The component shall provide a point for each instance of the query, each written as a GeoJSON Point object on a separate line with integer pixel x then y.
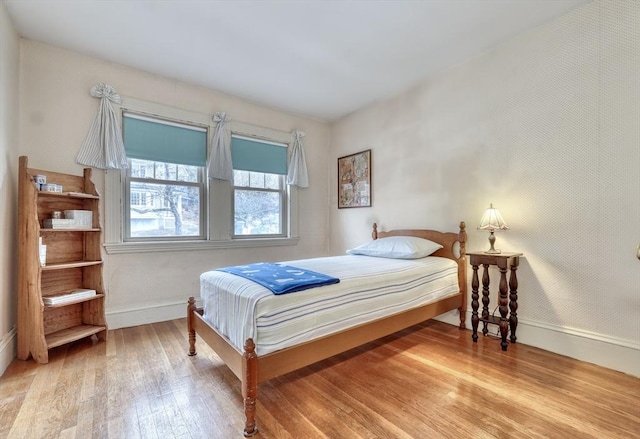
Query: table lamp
{"type": "Point", "coordinates": [492, 220]}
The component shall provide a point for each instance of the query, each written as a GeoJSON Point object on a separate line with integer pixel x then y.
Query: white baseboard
{"type": "Point", "coordinates": [126, 317]}
{"type": "Point", "coordinates": [8, 350]}
{"type": "Point", "coordinates": [612, 353]}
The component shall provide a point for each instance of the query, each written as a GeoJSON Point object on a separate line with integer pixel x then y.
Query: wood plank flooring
{"type": "Point", "coordinates": [429, 381]}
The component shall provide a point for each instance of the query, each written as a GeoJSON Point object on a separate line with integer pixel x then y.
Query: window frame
{"type": "Point", "coordinates": [217, 228]}
{"type": "Point", "coordinates": [200, 184]}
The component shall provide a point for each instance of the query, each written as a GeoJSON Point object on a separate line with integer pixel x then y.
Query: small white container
{"type": "Point", "coordinates": [43, 255]}
{"type": "Point", "coordinates": [58, 188]}
{"type": "Point", "coordinates": [48, 187]}
{"type": "Point", "coordinates": [40, 179]}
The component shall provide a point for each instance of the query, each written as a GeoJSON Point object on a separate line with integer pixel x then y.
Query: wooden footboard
{"type": "Point", "coordinates": [252, 370]}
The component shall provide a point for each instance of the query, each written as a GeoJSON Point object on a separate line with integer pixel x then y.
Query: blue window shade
{"type": "Point", "coordinates": [161, 141]}
{"type": "Point", "coordinates": [258, 156]}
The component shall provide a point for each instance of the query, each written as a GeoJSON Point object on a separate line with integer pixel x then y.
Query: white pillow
{"type": "Point", "coordinates": [397, 247]}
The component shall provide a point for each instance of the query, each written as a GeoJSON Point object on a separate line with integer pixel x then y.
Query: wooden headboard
{"type": "Point", "coordinates": [449, 249]}
{"type": "Point", "coordinates": [448, 240]}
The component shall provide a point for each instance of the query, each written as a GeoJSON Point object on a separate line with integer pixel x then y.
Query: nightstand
{"type": "Point", "coordinates": [504, 261]}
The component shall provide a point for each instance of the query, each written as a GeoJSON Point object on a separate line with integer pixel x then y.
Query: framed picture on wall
{"type": "Point", "coordinates": [354, 180]}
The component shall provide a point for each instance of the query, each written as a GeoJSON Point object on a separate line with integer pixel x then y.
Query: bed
{"type": "Point", "coordinates": [255, 352]}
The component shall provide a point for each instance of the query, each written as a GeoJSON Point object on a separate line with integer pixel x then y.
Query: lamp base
{"type": "Point", "coordinates": [492, 240]}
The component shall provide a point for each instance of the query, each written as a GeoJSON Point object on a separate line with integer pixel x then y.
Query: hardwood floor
{"type": "Point", "coordinates": [429, 381]}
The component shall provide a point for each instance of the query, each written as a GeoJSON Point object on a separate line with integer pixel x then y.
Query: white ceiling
{"type": "Point", "coordinates": [318, 58]}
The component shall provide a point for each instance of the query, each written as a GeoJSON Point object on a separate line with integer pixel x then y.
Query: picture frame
{"type": "Point", "coordinates": [354, 180]}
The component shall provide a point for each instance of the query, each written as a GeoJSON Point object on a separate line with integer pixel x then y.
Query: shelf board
{"type": "Point", "coordinates": [43, 229]}
{"type": "Point", "coordinates": [74, 264]}
{"type": "Point", "coordinates": [71, 302]}
{"type": "Point", "coordinates": [68, 335]}
{"type": "Point", "coordinates": [68, 195]}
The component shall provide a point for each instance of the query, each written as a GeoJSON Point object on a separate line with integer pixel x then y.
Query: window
{"type": "Point", "coordinates": [164, 190]}
{"type": "Point", "coordinates": [139, 198]}
{"type": "Point", "coordinates": [259, 187]}
{"type": "Point", "coordinates": [165, 202]}
{"type": "Point", "coordinates": [258, 203]}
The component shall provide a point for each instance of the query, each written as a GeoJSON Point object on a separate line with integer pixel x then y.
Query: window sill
{"type": "Point", "coordinates": [170, 246]}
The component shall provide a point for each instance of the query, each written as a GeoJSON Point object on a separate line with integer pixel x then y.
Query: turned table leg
{"type": "Point", "coordinates": [513, 299]}
{"type": "Point", "coordinates": [474, 303]}
{"type": "Point", "coordinates": [502, 303]}
{"type": "Point", "coordinates": [485, 299]}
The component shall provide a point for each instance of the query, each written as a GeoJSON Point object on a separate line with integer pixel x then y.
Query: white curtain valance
{"type": "Point", "coordinates": [219, 164]}
{"type": "Point", "coordinates": [297, 174]}
{"type": "Point", "coordinates": [103, 147]}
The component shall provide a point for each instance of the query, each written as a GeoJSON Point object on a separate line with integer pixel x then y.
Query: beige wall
{"type": "Point", "coordinates": [546, 127]}
{"type": "Point", "coordinates": [55, 115]}
{"type": "Point", "coordinates": [9, 106]}
{"type": "Point", "coordinates": [9, 80]}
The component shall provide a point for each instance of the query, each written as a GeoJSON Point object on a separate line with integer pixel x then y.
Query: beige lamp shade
{"type": "Point", "coordinates": [492, 220]}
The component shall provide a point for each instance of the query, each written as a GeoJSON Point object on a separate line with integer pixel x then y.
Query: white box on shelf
{"type": "Point", "coordinates": [84, 218]}
{"type": "Point", "coordinates": [52, 223]}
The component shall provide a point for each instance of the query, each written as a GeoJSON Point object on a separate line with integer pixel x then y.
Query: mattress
{"type": "Point", "coordinates": [369, 288]}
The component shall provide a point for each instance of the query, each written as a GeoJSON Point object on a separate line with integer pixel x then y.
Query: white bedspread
{"type": "Point", "coordinates": [369, 288]}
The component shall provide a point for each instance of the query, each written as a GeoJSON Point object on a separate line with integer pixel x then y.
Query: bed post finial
{"type": "Point", "coordinates": [250, 386]}
{"type": "Point", "coordinates": [462, 237]}
{"type": "Point", "coordinates": [462, 272]}
{"type": "Point", "coordinates": [374, 234]}
{"type": "Point", "coordinates": [191, 308]}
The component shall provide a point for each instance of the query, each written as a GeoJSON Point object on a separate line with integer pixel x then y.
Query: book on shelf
{"type": "Point", "coordinates": [68, 296]}
{"type": "Point", "coordinates": [65, 223]}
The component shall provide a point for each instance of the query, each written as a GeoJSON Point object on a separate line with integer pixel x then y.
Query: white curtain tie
{"type": "Point", "coordinates": [221, 116]}
{"type": "Point", "coordinates": [101, 90]}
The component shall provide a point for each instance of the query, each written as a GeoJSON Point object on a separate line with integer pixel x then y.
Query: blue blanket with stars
{"type": "Point", "coordinates": [280, 278]}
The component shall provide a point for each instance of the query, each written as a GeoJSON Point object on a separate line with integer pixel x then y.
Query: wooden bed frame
{"type": "Point", "coordinates": [252, 370]}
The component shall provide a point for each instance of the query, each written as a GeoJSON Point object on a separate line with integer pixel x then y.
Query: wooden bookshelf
{"type": "Point", "coordinates": [73, 260]}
